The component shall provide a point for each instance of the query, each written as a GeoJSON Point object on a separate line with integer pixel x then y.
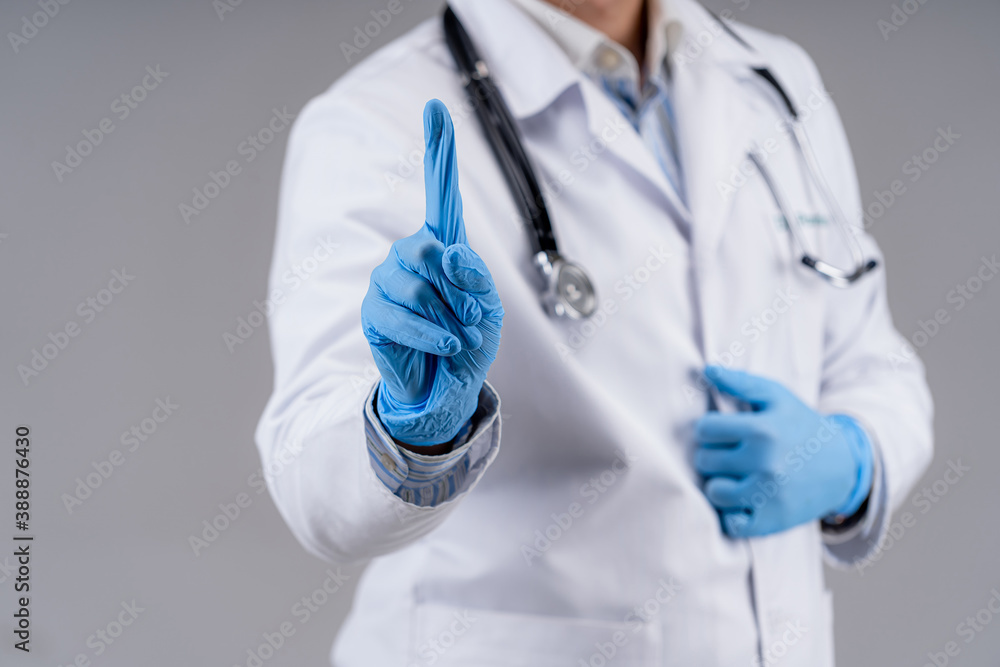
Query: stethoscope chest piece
{"type": "Point", "coordinates": [568, 291]}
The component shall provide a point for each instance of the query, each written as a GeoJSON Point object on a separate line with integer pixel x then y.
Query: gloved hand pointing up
{"type": "Point", "coordinates": [432, 315]}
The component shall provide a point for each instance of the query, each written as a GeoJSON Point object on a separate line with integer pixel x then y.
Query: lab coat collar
{"type": "Point", "coordinates": [514, 45]}
{"type": "Point", "coordinates": [699, 36]}
{"type": "Point", "coordinates": [718, 118]}
{"type": "Point", "coordinates": [530, 69]}
{"type": "Point", "coordinates": [578, 40]}
{"type": "Point", "coordinates": [714, 131]}
{"type": "Point", "coordinates": [593, 52]}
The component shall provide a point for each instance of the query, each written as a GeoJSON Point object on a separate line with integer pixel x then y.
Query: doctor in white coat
{"type": "Point", "coordinates": [613, 521]}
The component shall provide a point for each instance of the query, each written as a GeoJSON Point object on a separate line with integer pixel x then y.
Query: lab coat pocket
{"type": "Point", "coordinates": [451, 636]}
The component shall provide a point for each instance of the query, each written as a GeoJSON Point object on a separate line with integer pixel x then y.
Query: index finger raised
{"type": "Point", "coordinates": [444, 202]}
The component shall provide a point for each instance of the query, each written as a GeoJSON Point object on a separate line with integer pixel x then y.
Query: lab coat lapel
{"type": "Point", "coordinates": [612, 130]}
{"type": "Point", "coordinates": [716, 119]}
{"type": "Point", "coordinates": [717, 122]}
{"type": "Point", "coordinates": [532, 71]}
{"type": "Point", "coordinates": [715, 130]}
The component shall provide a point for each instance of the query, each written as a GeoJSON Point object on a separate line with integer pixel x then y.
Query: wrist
{"type": "Point", "coordinates": [860, 447]}
{"type": "Point", "coordinates": [428, 427]}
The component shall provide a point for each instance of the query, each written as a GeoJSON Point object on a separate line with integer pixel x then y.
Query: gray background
{"type": "Point", "coordinates": [162, 336]}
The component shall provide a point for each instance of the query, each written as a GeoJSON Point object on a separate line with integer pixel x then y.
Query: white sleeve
{"type": "Point", "coordinates": [337, 218]}
{"type": "Point", "coordinates": [870, 372]}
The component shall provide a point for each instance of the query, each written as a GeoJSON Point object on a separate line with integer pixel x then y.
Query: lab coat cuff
{"type": "Point", "coordinates": [420, 479]}
{"type": "Point", "coordinates": [857, 545]}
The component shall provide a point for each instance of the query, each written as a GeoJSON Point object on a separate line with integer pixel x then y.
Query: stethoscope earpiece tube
{"type": "Point", "coordinates": [833, 275]}
{"type": "Point", "coordinates": [765, 74]}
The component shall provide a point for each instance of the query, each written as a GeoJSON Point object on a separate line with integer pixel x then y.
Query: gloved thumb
{"type": "Point", "coordinates": [754, 389]}
{"type": "Point", "coordinates": [467, 270]}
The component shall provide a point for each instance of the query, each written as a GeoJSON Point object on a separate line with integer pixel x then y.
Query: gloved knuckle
{"type": "Point", "coordinates": [368, 304]}
{"type": "Point", "coordinates": [771, 463]}
{"type": "Point", "coordinates": [767, 430]}
{"type": "Point", "coordinates": [379, 272]}
{"type": "Point", "coordinates": [401, 248]}
{"type": "Point", "coordinates": [419, 291]}
{"type": "Point", "coordinates": [429, 251]}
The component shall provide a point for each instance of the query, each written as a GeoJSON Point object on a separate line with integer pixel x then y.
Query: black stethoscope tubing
{"type": "Point", "coordinates": [505, 141]}
{"type": "Point", "coordinates": [502, 133]}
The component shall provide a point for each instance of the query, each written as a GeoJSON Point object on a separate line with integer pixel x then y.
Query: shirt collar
{"type": "Point", "coordinates": [594, 53]}
{"type": "Point", "coordinates": [534, 69]}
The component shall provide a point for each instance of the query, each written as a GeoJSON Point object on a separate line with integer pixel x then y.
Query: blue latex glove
{"type": "Point", "coordinates": [432, 314]}
{"type": "Point", "coordinates": [780, 464]}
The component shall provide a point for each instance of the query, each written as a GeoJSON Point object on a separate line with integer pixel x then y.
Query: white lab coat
{"type": "Point", "coordinates": [582, 531]}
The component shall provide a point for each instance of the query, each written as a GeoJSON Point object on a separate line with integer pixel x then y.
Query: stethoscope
{"type": "Point", "coordinates": [568, 290]}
